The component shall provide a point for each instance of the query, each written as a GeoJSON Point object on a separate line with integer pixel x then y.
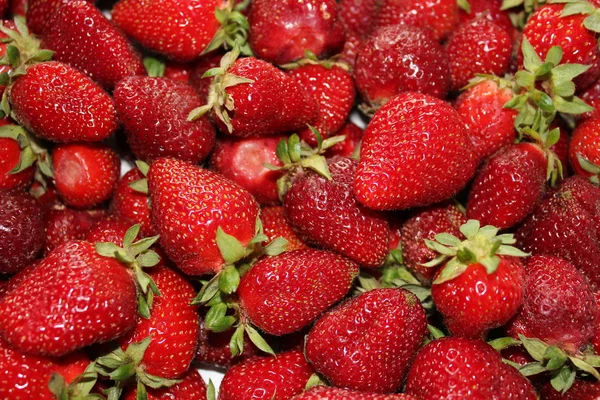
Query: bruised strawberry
{"type": "Point", "coordinates": [191, 387]}
{"type": "Point", "coordinates": [66, 224]}
{"type": "Point", "coordinates": [333, 393]}
{"type": "Point", "coordinates": [276, 225]}
{"type": "Point", "coordinates": [130, 204]}
{"type": "Point", "coordinates": [346, 148]}
{"type": "Point", "coordinates": [584, 149]}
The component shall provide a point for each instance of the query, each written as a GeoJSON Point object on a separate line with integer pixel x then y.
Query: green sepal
{"type": "Point", "coordinates": [276, 246]}
{"type": "Point", "coordinates": [556, 358]}
{"type": "Point", "coordinates": [211, 393]}
{"type": "Point", "coordinates": [154, 67]}
{"type": "Point", "coordinates": [503, 343]}
{"type": "Point", "coordinates": [532, 368]}
{"type": "Point", "coordinates": [114, 393]}
{"type": "Point", "coordinates": [435, 332]}
{"type": "Point", "coordinates": [155, 382]}
{"type": "Point", "coordinates": [229, 279]}
{"type": "Point", "coordinates": [258, 340]}
{"type": "Point", "coordinates": [563, 380]}
{"type": "Point", "coordinates": [587, 165]}
{"type": "Point", "coordinates": [535, 347]}
{"type": "Point", "coordinates": [230, 247]}
{"type": "Point", "coordinates": [141, 392]}
{"type": "Point", "coordinates": [314, 381]}
{"type": "Point", "coordinates": [464, 5]}
{"type": "Point", "coordinates": [236, 343]}
{"type": "Point", "coordinates": [216, 319]}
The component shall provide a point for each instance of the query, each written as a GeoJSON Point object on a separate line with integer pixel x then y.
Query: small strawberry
{"type": "Point", "coordinates": [368, 342]}
{"type": "Point", "coordinates": [276, 378]}
{"type": "Point", "coordinates": [66, 224]}
{"type": "Point", "coordinates": [584, 151]}
{"type": "Point", "coordinates": [109, 229]}
{"type": "Point", "coordinates": [332, 393]}
{"type": "Point", "coordinates": [191, 387]}
{"type": "Point", "coordinates": [346, 148]}
{"type": "Point", "coordinates": [214, 348]}
{"type": "Point", "coordinates": [390, 175]}
{"type": "Point", "coordinates": [276, 225]}
{"type": "Point", "coordinates": [131, 204]}
{"type": "Point", "coordinates": [40, 13]}
{"type": "Point", "coordinates": [490, 10]}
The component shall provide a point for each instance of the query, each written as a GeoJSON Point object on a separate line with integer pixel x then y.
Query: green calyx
{"type": "Point", "coordinates": [137, 255]}
{"type": "Point", "coordinates": [31, 150]}
{"type": "Point", "coordinates": [590, 167]}
{"type": "Point", "coordinates": [141, 185]}
{"type": "Point", "coordinates": [79, 389]}
{"type": "Point", "coordinates": [575, 7]}
{"type": "Point", "coordinates": [155, 68]}
{"type": "Point", "coordinates": [482, 246]}
{"type": "Point", "coordinates": [311, 58]}
{"type": "Point", "coordinates": [234, 29]}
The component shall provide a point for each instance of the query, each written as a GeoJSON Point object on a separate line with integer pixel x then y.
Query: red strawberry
{"type": "Point", "coordinates": [276, 378]}
{"type": "Point", "coordinates": [192, 387]}
{"type": "Point", "coordinates": [276, 225]}
{"type": "Point", "coordinates": [285, 293]}
{"type": "Point", "coordinates": [110, 229]}
{"type": "Point", "coordinates": [324, 212]}
{"type": "Point", "coordinates": [595, 340]}
{"type": "Point", "coordinates": [489, 125]}
{"type": "Point", "coordinates": [592, 97]}
{"type": "Point", "coordinates": [368, 342]}
{"type": "Point", "coordinates": [585, 145]}
{"type": "Point", "coordinates": [350, 50]}
{"type": "Point", "coordinates": [280, 32]}
{"type": "Point", "coordinates": [358, 16]}
{"type": "Point", "coordinates": [132, 205]}
{"type": "Point", "coordinates": [46, 195]}
{"type": "Point", "coordinates": [492, 11]}
{"type": "Point", "coordinates": [85, 174]}
{"type": "Point", "coordinates": [332, 393]}
{"type": "Point", "coordinates": [83, 38]}
{"type": "Point", "coordinates": [477, 47]}
{"type": "Point", "coordinates": [243, 161]}
{"type": "Point", "coordinates": [391, 176]}
{"type": "Point", "coordinates": [347, 147]}
{"type": "Point", "coordinates": [561, 148]}
{"type": "Point", "coordinates": [399, 59]}
{"type": "Point", "coordinates": [18, 7]}
{"type": "Point", "coordinates": [202, 85]}
{"type": "Point", "coordinates": [581, 390]}
{"type": "Point", "coordinates": [59, 103]}
{"type": "Point", "coordinates": [180, 30]}
{"type": "Point", "coordinates": [514, 385]}
{"type": "Point", "coordinates": [178, 72]}
{"type": "Point", "coordinates": [21, 230]}
{"type": "Point", "coordinates": [558, 307]}
{"type": "Point", "coordinates": [189, 204]}
{"type": "Point", "coordinates": [213, 348]}
{"type": "Point", "coordinates": [73, 289]}
{"type": "Point", "coordinates": [65, 224]}
{"type": "Point", "coordinates": [10, 154]}
{"type": "Point", "coordinates": [40, 13]}
{"type": "Point", "coordinates": [5, 68]}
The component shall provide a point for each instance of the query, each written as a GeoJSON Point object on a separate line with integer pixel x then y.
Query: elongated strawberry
{"type": "Point", "coordinates": [391, 176]}
{"type": "Point", "coordinates": [131, 204]}
{"type": "Point", "coordinates": [333, 393]}
{"type": "Point", "coordinates": [367, 342]}
{"type": "Point", "coordinates": [276, 225]}
{"type": "Point", "coordinates": [191, 387]}
{"type": "Point", "coordinates": [584, 152]}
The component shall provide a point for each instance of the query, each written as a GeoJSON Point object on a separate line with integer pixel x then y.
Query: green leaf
{"type": "Point", "coordinates": [464, 5]}
{"type": "Point", "coordinates": [135, 351]}
{"type": "Point", "coordinates": [506, 4]}
{"type": "Point", "coordinates": [258, 340]}
{"type": "Point", "coordinates": [143, 244]}
{"type": "Point", "coordinates": [318, 164]}
{"type": "Point", "coordinates": [107, 249]}
{"type": "Point", "coordinates": [578, 7]}
{"type": "Point", "coordinates": [554, 55]}
{"type": "Point", "coordinates": [26, 159]}
{"type": "Point", "coordinates": [58, 387]}
{"type": "Point", "coordinates": [283, 152]}
{"type": "Point", "coordinates": [229, 279]}
{"type": "Point", "coordinates": [294, 148]}
{"type": "Point", "coordinates": [525, 79]}
{"type": "Point", "coordinates": [592, 22]}
{"type": "Point", "coordinates": [574, 105]}
{"type": "Point", "coordinates": [556, 358]}
{"type": "Point", "coordinates": [140, 185]}
{"type": "Point", "coordinates": [313, 381]}
{"type": "Point", "coordinates": [130, 235]}
{"type": "Point", "coordinates": [503, 343]}
{"type": "Point", "coordinates": [142, 166]}
{"type": "Point", "coordinates": [141, 394]}
{"type": "Point", "coordinates": [593, 360]}
{"type": "Point", "coordinates": [510, 251]}
{"type": "Point", "coordinates": [210, 391]}
{"type": "Point", "coordinates": [123, 372]}
{"type": "Point", "coordinates": [208, 291]}
{"type": "Point", "coordinates": [563, 380]}
{"type": "Point", "coordinates": [155, 382]}
{"type": "Point", "coordinates": [276, 246]}
{"type": "Point", "coordinates": [531, 60]}
{"type": "Point", "coordinates": [114, 393]}
{"type": "Point", "coordinates": [318, 137]}
{"type": "Point", "coordinates": [217, 320]}
{"type": "Point", "coordinates": [535, 347]}
{"type": "Point", "coordinates": [584, 366]}
{"type": "Point", "coordinates": [435, 332]}
{"type": "Point", "coordinates": [154, 67]}
{"type": "Point", "coordinates": [148, 258]}
{"type": "Point", "coordinates": [532, 368]}
{"type": "Point", "coordinates": [143, 307]}
{"type": "Point", "coordinates": [438, 248]}
{"type": "Point", "coordinates": [231, 249]}
{"type": "Point", "coordinates": [236, 343]}
{"type": "Point", "coordinates": [567, 72]}
{"type": "Point", "coordinates": [490, 263]}
{"type": "Point", "coordinates": [470, 228]}
{"type": "Point", "coordinates": [14, 55]}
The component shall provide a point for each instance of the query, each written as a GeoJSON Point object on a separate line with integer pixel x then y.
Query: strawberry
{"type": "Point", "coordinates": [479, 46]}
{"type": "Point", "coordinates": [280, 32]}
{"type": "Point", "coordinates": [332, 393]}
{"type": "Point", "coordinates": [276, 225]}
{"type": "Point", "coordinates": [189, 204]}
{"type": "Point", "coordinates": [22, 230]}
{"type": "Point", "coordinates": [285, 293]}
{"type": "Point", "coordinates": [581, 390]}
{"type": "Point", "coordinates": [73, 289]}
{"type": "Point", "coordinates": [131, 204]}
{"type": "Point", "coordinates": [5, 68]}
{"type": "Point", "coordinates": [324, 212]}
{"type": "Point", "coordinates": [102, 51]}
{"type": "Point", "coordinates": [109, 229]}
{"type": "Point", "coordinates": [46, 195]}
{"type": "Point", "coordinates": [595, 340]}
{"type": "Point", "coordinates": [390, 176]}
{"type": "Point", "coordinates": [214, 349]}
{"type": "Point", "coordinates": [276, 378]}
{"type": "Point", "coordinates": [592, 97]}
{"type": "Point", "coordinates": [584, 152]}
{"type": "Point", "coordinates": [154, 114]}
{"type": "Point", "coordinates": [490, 10]}
{"type": "Point", "coordinates": [358, 16]}
{"type": "Point", "coordinates": [10, 155]}
{"type": "Point", "coordinates": [66, 224]}
{"type": "Point", "coordinates": [177, 71]}
{"type": "Point", "coordinates": [397, 59]}
{"type": "Point", "coordinates": [558, 307]}
{"type": "Point", "coordinates": [346, 148]}
{"type": "Point", "coordinates": [206, 62]}
{"type": "Point", "coordinates": [56, 102]}
{"type": "Point", "coordinates": [514, 385]}
{"type": "Point", "coordinates": [40, 13]}
{"type": "Point", "coordinates": [18, 7]}
{"type": "Point", "coordinates": [243, 161]}
{"type": "Point", "coordinates": [192, 387]}
{"type": "Point", "coordinates": [85, 174]}
{"type": "Point", "coordinates": [368, 342]}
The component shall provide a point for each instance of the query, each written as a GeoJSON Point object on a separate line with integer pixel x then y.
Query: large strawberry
{"type": "Point", "coordinates": [367, 342]}
{"type": "Point", "coordinates": [415, 152]}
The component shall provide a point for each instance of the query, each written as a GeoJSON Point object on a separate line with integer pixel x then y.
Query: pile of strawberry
{"type": "Point", "coordinates": [449, 251]}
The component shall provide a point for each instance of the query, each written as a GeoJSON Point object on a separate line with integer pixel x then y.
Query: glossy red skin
{"type": "Point", "coordinates": [398, 59]}
{"type": "Point", "coordinates": [213, 348]}
{"type": "Point", "coordinates": [514, 385]}
{"type": "Point", "coordinates": [579, 44]}
{"type": "Point", "coordinates": [333, 90]}
{"type": "Point", "coordinates": [441, 16]}
{"type": "Point", "coordinates": [5, 68]}
{"type": "Point", "coordinates": [595, 340]}
{"type": "Point", "coordinates": [285, 293]}
{"type": "Point", "coordinates": [281, 32]}
{"type": "Point", "coordinates": [567, 225]}
{"type": "Point", "coordinates": [66, 224]}
{"type": "Point", "coordinates": [173, 325]}
{"type": "Point", "coordinates": [592, 97]}
{"type": "Point", "coordinates": [73, 289]}
{"type": "Point", "coordinates": [154, 113]}
{"type": "Point", "coordinates": [425, 224]}
{"type": "Point", "coordinates": [242, 161]}
{"type": "Point", "coordinates": [189, 204]}
{"type": "Point", "coordinates": [21, 230]}
{"type": "Point", "coordinates": [132, 205]}
{"type": "Point", "coordinates": [415, 152]}
{"type": "Point", "coordinates": [586, 143]}
{"type": "Point", "coordinates": [269, 378]}
{"type": "Point", "coordinates": [110, 229]}
{"type": "Point", "coordinates": [489, 125]}
{"type": "Point", "coordinates": [358, 16]}
{"type": "Point", "coordinates": [58, 103]}
{"type": "Point", "coordinates": [325, 213]}
{"type": "Point", "coordinates": [178, 71]}
{"type": "Point", "coordinates": [190, 25]}
{"type": "Point", "coordinates": [509, 186]}
{"type": "Point", "coordinates": [274, 103]}
{"type": "Point", "coordinates": [581, 390]}
{"type": "Point", "coordinates": [47, 196]}
{"type": "Point", "coordinates": [346, 148]}
{"type": "Point", "coordinates": [333, 393]}
{"type": "Point", "coordinates": [85, 174]}
{"type": "Point", "coordinates": [83, 38]}
{"type": "Point", "coordinates": [276, 225]}
{"type": "Point", "coordinates": [206, 62]}
{"type": "Point", "coordinates": [192, 387]}
{"type": "Point", "coordinates": [475, 301]}
{"type": "Point", "coordinates": [477, 47]}
{"type": "Point", "coordinates": [368, 342]}
{"type": "Point", "coordinates": [350, 51]}
{"type": "Point", "coordinates": [10, 152]}
{"type": "Point", "coordinates": [40, 12]}
{"type": "Point", "coordinates": [490, 10]}
{"type": "Point", "coordinates": [558, 307]}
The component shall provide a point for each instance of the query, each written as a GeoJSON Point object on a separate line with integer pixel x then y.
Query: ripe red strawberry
{"type": "Point", "coordinates": [18, 7]}
{"type": "Point", "coordinates": [21, 230]}
{"type": "Point", "coordinates": [243, 161]}
{"type": "Point", "coordinates": [581, 390]}
{"type": "Point", "coordinates": [85, 174]}
{"type": "Point", "coordinates": [558, 306]}
{"type": "Point", "coordinates": [132, 205]}
{"type": "Point", "coordinates": [477, 47]}
{"type": "Point", "coordinates": [440, 16]}
{"type": "Point", "coordinates": [561, 148]}
{"type": "Point", "coordinates": [109, 229]}
{"type": "Point", "coordinates": [206, 62]}
{"type": "Point", "coordinates": [5, 68]}
{"type": "Point", "coordinates": [347, 147]}
{"type": "Point", "coordinates": [73, 289]}
{"type": "Point", "coordinates": [276, 225]}
{"type": "Point", "coordinates": [400, 58]}
{"type": "Point", "coordinates": [480, 285]}
{"type": "Point", "coordinates": [40, 13]}
{"type": "Point", "coordinates": [192, 387]}
{"type": "Point", "coordinates": [585, 144]}
{"type": "Point", "coordinates": [189, 25]}
{"type": "Point", "coordinates": [59, 103]}
{"type": "Point", "coordinates": [489, 125]}
{"type": "Point", "coordinates": [358, 16]}
{"type": "Point", "coordinates": [333, 393]}
{"type": "Point", "coordinates": [46, 195]}
{"type": "Point", "coordinates": [391, 176]}
{"type": "Point", "coordinates": [592, 97]}
{"type": "Point", "coordinates": [280, 32]}
{"type": "Point", "coordinates": [84, 39]}
{"type": "Point", "coordinates": [492, 11]}
{"type": "Point", "coordinates": [325, 213]}
{"type": "Point", "coordinates": [285, 293]}
{"type": "Point", "coordinates": [425, 224]}
{"type": "Point", "coordinates": [350, 50]}
{"type": "Point", "coordinates": [276, 378]}
{"type": "Point", "coordinates": [595, 340]}
{"type": "Point", "coordinates": [189, 204]}
{"type": "Point", "coordinates": [368, 342]}
{"type": "Point", "coordinates": [10, 153]}
{"type": "Point", "coordinates": [513, 385]}
{"type": "Point", "coordinates": [509, 186]}
{"type": "Point", "coordinates": [178, 71]}
{"type": "Point", "coordinates": [213, 348]}
{"type": "Point", "coordinates": [66, 224]}
{"type": "Point", "coordinates": [333, 90]}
